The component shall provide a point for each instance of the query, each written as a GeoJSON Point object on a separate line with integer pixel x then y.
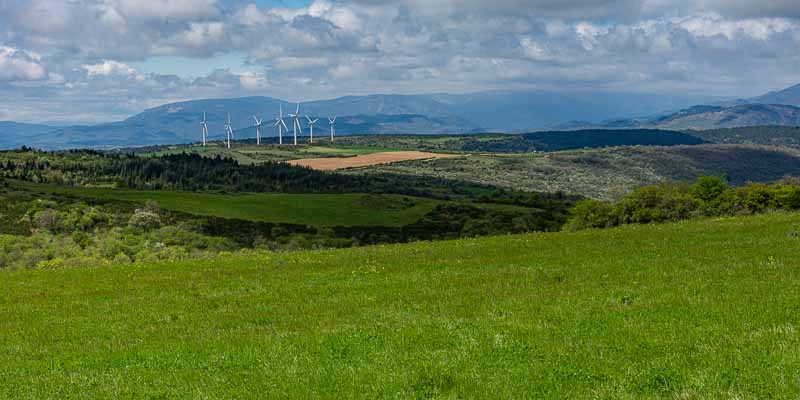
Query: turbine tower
{"type": "Point", "coordinates": [204, 125]}
{"type": "Point", "coordinates": [258, 129]}
{"type": "Point", "coordinates": [311, 127]}
{"type": "Point", "coordinates": [296, 123]}
{"type": "Point", "coordinates": [331, 122]}
{"type": "Point", "coordinates": [281, 125]}
{"type": "Point", "coordinates": [229, 130]}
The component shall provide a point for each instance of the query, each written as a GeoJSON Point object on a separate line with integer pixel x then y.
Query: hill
{"type": "Point", "coordinates": [705, 117]}
{"type": "Point", "coordinates": [779, 136]}
{"type": "Point", "coordinates": [607, 173]}
{"type": "Point", "coordinates": [736, 116]}
{"type": "Point", "coordinates": [15, 134]}
{"type": "Point", "coordinates": [696, 309]}
{"type": "Point", "coordinates": [790, 96]}
{"type": "Point", "coordinates": [486, 142]}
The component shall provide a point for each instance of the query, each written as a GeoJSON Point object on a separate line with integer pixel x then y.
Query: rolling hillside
{"type": "Point", "coordinates": [696, 309]}
{"type": "Point", "coordinates": [608, 173]}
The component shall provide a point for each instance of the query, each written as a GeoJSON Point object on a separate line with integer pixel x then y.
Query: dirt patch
{"type": "Point", "coordinates": [334, 163]}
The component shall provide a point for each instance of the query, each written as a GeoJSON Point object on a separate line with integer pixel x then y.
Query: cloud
{"type": "Point", "coordinates": [112, 68]}
{"type": "Point", "coordinates": [83, 52]}
{"type": "Point", "coordinates": [20, 65]}
{"type": "Point", "coordinates": [750, 8]}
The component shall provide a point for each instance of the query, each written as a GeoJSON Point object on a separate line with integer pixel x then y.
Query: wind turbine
{"type": "Point", "coordinates": [229, 130]}
{"type": "Point", "coordinates": [296, 123]}
{"type": "Point", "coordinates": [204, 125]}
{"type": "Point", "coordinates": [258, 129]}
{"type": "Point", "coordinates": [331, 121]}
{"type": "Point", "coordinates": [311, 126]}
{"type": "Point", "coordinates": [281, 125]}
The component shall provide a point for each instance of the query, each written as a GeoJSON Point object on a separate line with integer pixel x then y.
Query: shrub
{"type": "Point", "coordinates": [591, 213]}
{"type": "Point", "coordinates": [786, 197]}
{"type": "Point", "coordinates": [754, 197]}
{"type": "Point", "coordinates": [47, 219]}
{"type": "Point", "coordinates": [657, 203]}
{"type": "Point", "coordinates": [709, 196]}
{"type": "Point", "coordinates": [708, 188]}
{"type": "Point", "coordinates": [145, 220]}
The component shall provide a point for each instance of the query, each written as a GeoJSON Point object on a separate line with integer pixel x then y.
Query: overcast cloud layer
{"type": "Point", "coordinates": [81, 60]}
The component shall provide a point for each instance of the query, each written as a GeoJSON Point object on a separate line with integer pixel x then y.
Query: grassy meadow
{"type": "Point", "coordinates": [701, 309]}
{"type": "Point", "coordinates": [354, 209]}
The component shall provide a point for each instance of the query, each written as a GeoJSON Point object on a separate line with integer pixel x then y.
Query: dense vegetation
{"type": "Point", "coordinates": [53, 213]}
{"type": "Point", "coordinates": [782, 136]}
{"type": "Point", "coordinates": [608, 173]}
{"type": "Point", "coordinates": [702, 309]}
{"type": "Point", "coordinates": [193, 172]}
{"type": "Point", "coordinates": [708, 197]}
{"type": "Point", "coordinates": [527, 142]}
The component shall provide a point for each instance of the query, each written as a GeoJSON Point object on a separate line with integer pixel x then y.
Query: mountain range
{"type": "Point", "coordinates": [492, 111]}
{"type": "Point", "coordinates": [779, 108]}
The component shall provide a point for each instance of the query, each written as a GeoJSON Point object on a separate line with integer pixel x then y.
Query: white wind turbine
{"type": "Point", "coordinates": [311, 127]}
{"type": "Point", "coordinates": [331, 121]}
{"type": "Point", "coordinates": [296, 123]}
{"type": "Point", "coordinates": [229, 130]}
{"type": "Point", "coordinates": [204, 125]}
{"type": "Point", "coordinates": [258, 129]}
{"type": "Point", "coordinates": [281, 125]}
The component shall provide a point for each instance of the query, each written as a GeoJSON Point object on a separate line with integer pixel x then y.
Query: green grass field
{"type": "Point", "coordinates": [304, 209]}
{"type": "Point", "coordinates": [703, 309]}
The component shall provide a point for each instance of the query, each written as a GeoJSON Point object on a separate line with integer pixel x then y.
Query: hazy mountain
{"type": "Point", "coordinates": [729, 117]}
{"type": "Point", "coordinates": [503, 111]}
{"type": "Point", "coordinates": [509, 111]}
{"type": "Point", "coordinates": [16, 134]}
{"type": "Point", "coordinates": [713, 117]}
{"type": "Point", "coordinates": [498, 111]}
{"type": "Point", "coordinates": [789, 96]}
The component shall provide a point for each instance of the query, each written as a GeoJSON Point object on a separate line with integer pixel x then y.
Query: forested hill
{"type": "Point", "coordinates": [192, 172]}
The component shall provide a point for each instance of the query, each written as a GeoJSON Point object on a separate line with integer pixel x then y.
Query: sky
{"type": "Point", "coordinates": [88, 61]}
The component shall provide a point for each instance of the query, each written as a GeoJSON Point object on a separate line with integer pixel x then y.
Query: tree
{"type": "Point", "coordinates": [708, 188]}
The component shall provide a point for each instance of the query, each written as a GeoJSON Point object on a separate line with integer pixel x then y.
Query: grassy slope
{"type": "Point", "coordinates": [304, 209]}
{"type": "Point", "coordinates": [609, 173]}
{"type": "Point", "coordinates": [706, 309]}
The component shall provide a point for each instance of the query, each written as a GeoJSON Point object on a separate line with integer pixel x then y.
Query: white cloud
{"type": "Point", "coordinates": [111, 68]}
{"type": "Point", "coordinates": [253, 80]}
{"type": "Point", "coordinates": [185, 10]}
{"type": "Point", "coordinates": [337, 47]}
{"type": "Point", "coordinates": [20, 65]}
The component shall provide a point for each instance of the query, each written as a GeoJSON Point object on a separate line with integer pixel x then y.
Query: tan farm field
{"type": "Point", "coordinates": [365, 160]}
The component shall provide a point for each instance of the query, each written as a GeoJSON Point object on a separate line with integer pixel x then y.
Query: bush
{"type": "Point", "coordinates": [145, 221]}
{"type": "Point", "coordinates": [708, 188]}
{"type": "Point", "coordinates": [591, 213]}
{"type": "Point", "coordinates": [47, 219]}
{"type": "Point", "coordinates": [709, 196]}
{"type": "Point", "coordinates": [786, 197]}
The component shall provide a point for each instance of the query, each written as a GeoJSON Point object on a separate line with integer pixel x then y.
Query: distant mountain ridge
{"type": "Point", "coordinates": [491, 111]}
{"type": "Point", "coordinates": [706, 117]}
